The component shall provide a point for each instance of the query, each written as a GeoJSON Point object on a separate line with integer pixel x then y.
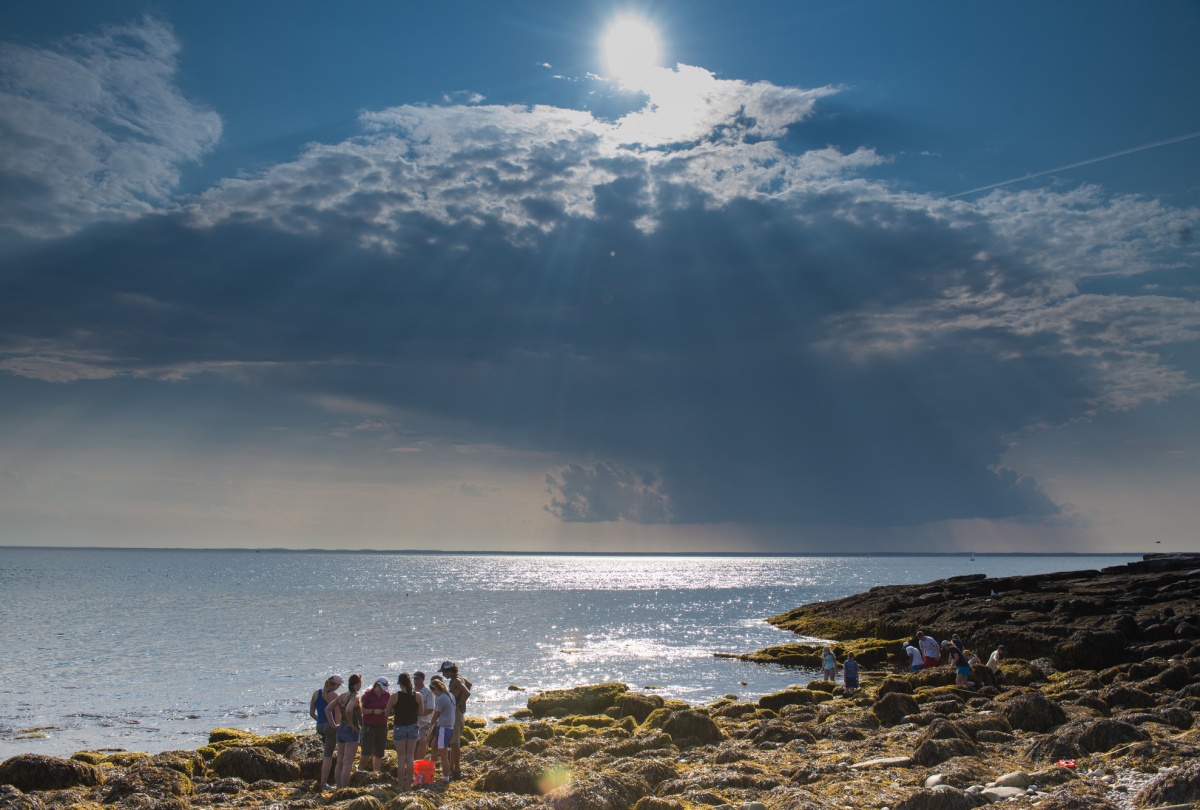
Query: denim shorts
{"type": "Point", "coordinates": [405, 733]}
{"type": "Point", "coordinates": [345, 734]}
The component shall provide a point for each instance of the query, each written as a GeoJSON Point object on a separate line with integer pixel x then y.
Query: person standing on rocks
{"type": "Point", "coordinates": [424, 713]}
{"type": "Point", "coordinates": [958, 660]}
{"type": "Point", "coordinates": [850, 674]}
{"type": "Point", "coordinates": [443, 724]}
{"type": "Point", "coordinates": [993, 662]}
{"type": "Point", "coordinates": [346, 714]}
{"type": "Point", "coordinates": [460, 689]}
{"type": "Point", "coordinates": [375, 722]}
{"type": "Point", "coordinates": [328, 733]}
{"type": "Point", "coordinates": [403, 706]}
{"type": "Point", "coordinates": [828, 665]}
{"type": "Point", "coordinates": [929, 649]}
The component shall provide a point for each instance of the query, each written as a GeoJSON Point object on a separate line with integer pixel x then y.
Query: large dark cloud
{"type": "Point", "coordinates": [714, 323]}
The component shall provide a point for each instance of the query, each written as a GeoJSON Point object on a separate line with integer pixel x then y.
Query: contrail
{"type": "Point", "coordinates": [1077, 164]}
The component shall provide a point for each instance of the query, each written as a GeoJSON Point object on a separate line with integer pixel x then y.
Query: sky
{"type": "Point", "coordinates": [660, 276]}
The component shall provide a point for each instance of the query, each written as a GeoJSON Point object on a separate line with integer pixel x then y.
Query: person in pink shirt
{"type": "Point", "coordinates": [373, 740]}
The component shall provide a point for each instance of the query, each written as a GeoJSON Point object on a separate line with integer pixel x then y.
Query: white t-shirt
{"type": "Point", "coordinates": [444, 704]}
{"type": "Point", "coordinates": [930, 647]}
{"type": "Point", "coordinates": [427, 702]}
{"type": "Point", "coordinates": [915, 654]}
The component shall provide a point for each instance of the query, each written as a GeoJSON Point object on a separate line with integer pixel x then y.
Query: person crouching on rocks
{"type": "Point", "coordinates": [346, 714]}
{"type": "Point", "coordinates": [993, 662]}
{"type": "Point", "coordinates": [373, 739]}
{"type": "Point", "coordinates": [828, 665]}
{"type": "Point", "coordinates": [850, 674]}
{"type": "Point", "coordinates": [443, 724]}
{"type": "Point", "coordinates": [325, 730]}
{"type": "Point", "coordinates": [916, 657]}
{"type": "Point", "coordinates": [404, 706]}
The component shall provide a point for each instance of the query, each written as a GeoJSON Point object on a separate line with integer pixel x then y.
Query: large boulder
{"type": "Point", "coordinates": [944, 739]}
{"type": "Point", "coordinates": [149, 780]}
{"type": "Point", "coordinates": [1086, 650]}
{"type": "Point", "coordinates": [792, 696]}
{"type": "Point", "coordinates": [509, 735]}
{"type": "Point", "coordinates": [1030, 711]}
{"type": "Point", "coordinates": [514, 772]}
{"type": "Point", "coordinates": [638, 706]}
{"type": "Point", "coordinates": [592, 699]}
{"type": "Point", "coordinates": [692, 724]}
{"type": "Point", "coordinates": [1179, 786]}
{"type": "Point", "coordinates": [254, 764]}
{"type": "Point", "coordinates": [894, 707]}
{"type": "Point", "coordinates": [28, 772]}
{"type": "Point", "coordinates": [941, 799]}
{"type": "Point", "coordinates": [599, 791]}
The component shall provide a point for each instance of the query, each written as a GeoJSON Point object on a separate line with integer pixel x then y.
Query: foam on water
{"type": "Point", "coordinates": [150, 650]}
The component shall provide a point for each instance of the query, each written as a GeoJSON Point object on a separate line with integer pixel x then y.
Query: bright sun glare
{"type": "Point", "coordinates": [630, 50]}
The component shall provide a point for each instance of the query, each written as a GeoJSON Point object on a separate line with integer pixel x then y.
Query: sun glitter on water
{"type": "Point", "coordinates": [630, 47]}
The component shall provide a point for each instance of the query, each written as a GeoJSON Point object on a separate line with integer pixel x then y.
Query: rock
{"type": "Point", "coordinates": [578, 700]}
{"type": "Point", "coordinates": [1030, 711]}
{"type": "Point", "coordinates": [655, 803]}
{"type": "Point", "coordinates": [1088, 650]}
{"type": "Point", "coordinates": [29, 772]}
{"type": "Point", "coordinates": [509, 735]}
{"type": "Point", "coordinates": [638, 706]}
{"type": "Point", "coordinates": [253, 764]}
{"type": "Point", "coordinates": [225, 734]}
{"type": "Point", "coordinates": [942, 798]}
{"type": "Point", "coordinates": [1175, 787]}
{"type": "Point", "coordinates": [883, 762]}
{"type": "Point", "coordinates": [605, 791]}
{"type": "Point", "coordinates": [515, 772]}
{"type": "Point", "coordinates": [1128, 697]}
{"type": "Point", "coordinates": [1104, 735]}
{"type": "Point", "coordinates": [229, 785]}
{"type": "Point", "coordinates": [147, 779]}
{"type": "Point", "coordinates": [788, 697]}
{"type": "Point", "coordinates": [1054, 747]}
{"type": "Point", "coordinates": [188, 763]}
{"type": "Point", "coordinates": [999, 794]}
{"type": "Point", "coordinates": [1015, 779]}
{"type": "Point", "coordinates": [893, 707]}
{"type": "Point", "coordinates": [935, 752]}
{"type": "Point", "coordinates": [693, 724]}
{"type": "Point", "coordinates": [893, 684]}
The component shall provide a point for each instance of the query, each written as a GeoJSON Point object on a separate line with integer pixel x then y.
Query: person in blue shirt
{"type": "Point", "coordinates": [850, 674]}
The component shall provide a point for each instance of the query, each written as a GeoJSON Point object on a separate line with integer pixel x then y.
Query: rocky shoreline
{"type": "Point", "coordinates": [1097, 708]}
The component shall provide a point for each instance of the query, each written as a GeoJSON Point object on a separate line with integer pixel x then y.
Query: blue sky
{"type": "Point", "coordinates": [854, 276]}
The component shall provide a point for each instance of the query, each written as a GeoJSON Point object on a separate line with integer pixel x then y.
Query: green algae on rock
{"type": "Point", "coordinates": [28, 772]}
{"type": "Point", "coordinates": [578, 700]}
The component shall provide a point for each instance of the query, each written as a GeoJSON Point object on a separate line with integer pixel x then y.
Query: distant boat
{"type": "Point", "coordinates": [972, 556]}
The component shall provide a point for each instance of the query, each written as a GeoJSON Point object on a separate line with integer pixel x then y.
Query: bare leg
{"type": "Point", "coordinates": [404, 763]}
{"type": "Point", "coordinates": [346, 754]}
{"type": "Point", "coordinates": [326, 766]}
{"type": "Point", "coordinates": [422, 743]}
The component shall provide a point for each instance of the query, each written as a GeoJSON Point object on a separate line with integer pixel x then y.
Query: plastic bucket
{"type": "Point", "coordinates": [423, 772]}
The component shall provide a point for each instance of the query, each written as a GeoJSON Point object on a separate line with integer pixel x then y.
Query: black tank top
{"type": "Point", "coordinates": [405, 713]}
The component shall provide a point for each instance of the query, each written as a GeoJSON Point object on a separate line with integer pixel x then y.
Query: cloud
{"type": "Point", "coordinates": [743, 329]}
{"type": "Point", "coordinates": [94, 129]}
{"type": "Point", "coordinates": [604, 491]}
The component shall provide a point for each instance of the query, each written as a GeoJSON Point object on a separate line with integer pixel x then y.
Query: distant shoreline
{"type": "Point", "coordinates": [723, 554]}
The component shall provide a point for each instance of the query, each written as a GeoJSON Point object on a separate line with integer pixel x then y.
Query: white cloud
{"type": "Point", "coordinates": [94, 129]}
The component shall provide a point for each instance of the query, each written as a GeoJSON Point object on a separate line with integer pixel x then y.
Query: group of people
{"type": "Point", "coordinates": [829, 667]}
{"type": "Point", "coordinates": [928, 653]}
{"type": "Point", "coordinates": [424, 717]}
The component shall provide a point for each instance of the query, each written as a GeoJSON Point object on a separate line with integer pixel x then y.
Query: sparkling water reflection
{"type": "Point", "coordinates": [149, 650]}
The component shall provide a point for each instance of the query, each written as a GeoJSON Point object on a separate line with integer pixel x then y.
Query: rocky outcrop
{"type": "Point", "coordinates": [28, 772]}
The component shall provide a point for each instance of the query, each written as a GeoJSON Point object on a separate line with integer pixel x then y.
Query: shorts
{"type": "Point", "coordinates": [916, 668]}
{"type": "Point", "coordinates": [345, 734]}
{"type": "Point", "coordinates": [460, 719]}
{"type": "Point", "coordinates": [328, 735]}
{"type": "Point", "coordinates": [852, 682]}
{"type": "Point", "coordinates": [829, 672]}
{"type": "Point", "coordinates": [406, 733]}
{"type": "Point", "coordinates": [963, 670]}
{"type": "Point", "coordinates": [930, 663]}
{"type": "Point", "coordinates": [423, 731]}
{"type": "Point", "coordinates": [443, 736]}
{"type": "Point", "coordinates": [373, 740]}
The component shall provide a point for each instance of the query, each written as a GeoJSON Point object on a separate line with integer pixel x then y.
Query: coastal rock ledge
{"type": "Point", "coordinates": [1096, 709]}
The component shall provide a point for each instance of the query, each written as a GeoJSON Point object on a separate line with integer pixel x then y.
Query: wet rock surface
{"type": "Point", "coordinates": [1089, 722]}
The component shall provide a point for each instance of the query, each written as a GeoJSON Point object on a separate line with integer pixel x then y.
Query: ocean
{"type": "Point", "coordinates": [149, 650]}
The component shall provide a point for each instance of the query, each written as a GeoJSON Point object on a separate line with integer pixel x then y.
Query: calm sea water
{"type": "Point", "coordinates": [149, 650]}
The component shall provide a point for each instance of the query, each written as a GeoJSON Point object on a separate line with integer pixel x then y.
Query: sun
{"type": "Point", "coordinates": [630, 51]}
